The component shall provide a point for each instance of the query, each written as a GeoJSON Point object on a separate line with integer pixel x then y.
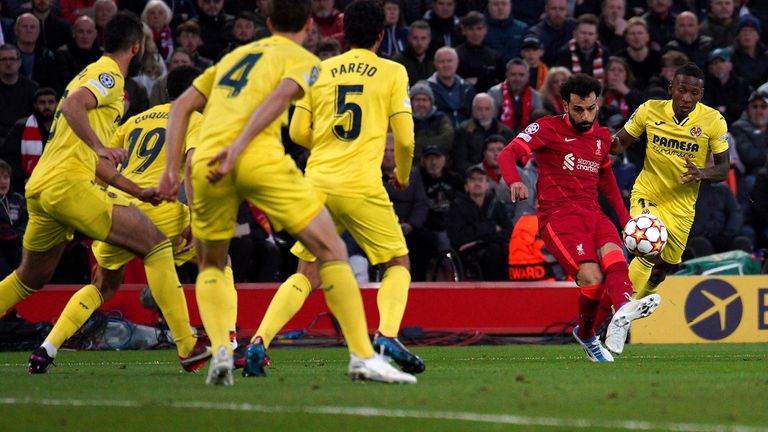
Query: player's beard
{"type": "Point", "coordinates": [581, 126]}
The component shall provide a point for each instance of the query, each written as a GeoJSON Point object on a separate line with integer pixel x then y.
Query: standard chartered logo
{"type": "Point", "coordinates": [713, 309]}
{"type": "Point", "coordinates": [569, 162]}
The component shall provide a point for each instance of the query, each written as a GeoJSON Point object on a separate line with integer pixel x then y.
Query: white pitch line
{"type": "Point", "coordinates": [395, 413]}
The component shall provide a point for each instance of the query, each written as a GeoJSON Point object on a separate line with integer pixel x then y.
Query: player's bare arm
{"type": "Point", "coordinates": [269, 110]}
{"type": "Point", "coordinates": [111, 176]}
{"type": "Point", "coordinates": [402, 130]}
{"type": "Point", "coordinates": [178, 121]}
{"type": "Point", "coordinates": [75, 108]}
{"type": "Point", "coordinates": [301, 127]}
{"type": "Point", "coordinates": [189, 191]}
{"type": "Point", "coordinates": [714, 174]}
{"type": "Point", "coordinates": [620, 141]}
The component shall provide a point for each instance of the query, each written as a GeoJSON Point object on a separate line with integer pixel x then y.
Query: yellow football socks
{"type": "Point", "coordinates": [169, 295]}
{"type": "Point", "coordinates": [12, 291]}
{"type": "Point", "coordinates": [77, 311]}
{"type": "Point", "coordinates": [231, 293]}
{"type": "Point", "coordinates": [212, 298]}
{"type": "Point", "coordinates": [392, 298]}
{"type": "Point", "coordinates": [345, 302]}
{"type": "Point", "coordinates": [284, 305]}
{"type": "Point", "coordinates": [639, 273]}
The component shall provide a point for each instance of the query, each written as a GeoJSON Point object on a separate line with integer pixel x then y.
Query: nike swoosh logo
{"type": "Point", "coordinates": [570, 139]}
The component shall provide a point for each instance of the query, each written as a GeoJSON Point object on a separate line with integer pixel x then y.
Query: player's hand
{"type": "Point", "coordinates": [692, 173]}
{"type": "Point", "coordinates": [185, 239]}
{"type": "Point", "coordinates": [112, 154]}
{"type": "Point", "coordinates": [519, 191]}
{"type": "Point", "coordinates": [226, 160]}
{"type": "Point", "coordinates": [396, 184]}
{"type": "Point", "coordinates": [149, 195]}
{"type": "Point", "coordinates": [169, 186]}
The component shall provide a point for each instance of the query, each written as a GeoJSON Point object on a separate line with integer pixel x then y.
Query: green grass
{"type": "Point", "coordinates": [685, 387]}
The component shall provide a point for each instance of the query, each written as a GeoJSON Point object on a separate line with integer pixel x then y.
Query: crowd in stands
{"type": "Point", "coordinates": [480, 71]}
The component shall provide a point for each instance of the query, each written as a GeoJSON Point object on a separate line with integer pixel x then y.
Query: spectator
{"type": "Point", "coordinates": [658, 84]}
{"type": "Point", "coordinates": [26, 140]}
{"type": "Point", "coordinates": [751, 135]}
{"type": "Point", "coordinates": [395, 32]}
{"type": "Point", "coordinates": [759, 199]}
{"type": "Point", "coordinates": [245, 30]}
{"type": "Point", "coordinates": [38, 63]}
{"type": "Point", "coordinates": [688, 41]}
{"type": "Point", "coordinates": [103, 11]}
{"type": "Point", "coordinates": [184, 10]}
{"type": "Point", "coordinates": [453, 95]}
{"type": "Point", "coordinates": [76, 55]}
{"type": "Point", "coordinates": [159, 93]}
{"type": "Point", "coordinates": [441, 186]}
{"type": "Point", "coordinates": [505, 33]}
{"type": "Point", "coordinates": [157, 15]}
{"type": "Point", "coordinates": [584, 53]}
{"type": "Point", "coordinates": [725, 92]}
{"type": "Point", "coordinates": [748, 54]}
{"type": "Point", "coordinates": [555, 29]}
{"type": "Point", "coordinates": [515, 99]}
{"type": "Point", "coordinates": [414, 10]}
{"type": "Point", "coordinates": [411, 207]}
{"type": "Point", "coordinates": [13, 87]}
{"type": "Point", "coordinates": [417, 58]}
{"type": "Point", "coordinates": [550, 91]}
{"type": "Point", "coordinates": [255, 255]}
{"type": "Point", "coordinates": [13, 222]}
{"type": "Point", "coordinates": [71, 10]}
{"type": "Point", "coordinates": [528, 11]}
{"type": "Point", "coordinates": [328, 20]}
{"type": "Point", "coordinates": [532, 51]}
{"type": "Point", "coordinates": [327, 48]}
{"type": "Point", "coordinates": [620, 90]}
{"type": "Point", "coordinates": [479, 227]}
{"type": "Point", "coordinates": [430, 126]}
{"type": "Point", "coordinates": [152, 64]}
{"type": "Point", "coordinates": [479, 65]}
{"type": "Point", "coordinates": [718, 221]}
{"type": "Point", "coordinates": [612, 25]}
{"type": "Point", "coordinates": [188, 36]}
{"type": "Point", "coordinates": [55, 31]}
{"type": "Point", "coordinates": [720, 24]}
{"type": "Point", "coordinates": [215, 27]}
{"type": "Point", "coordinates": [444, 23]}
{"type": "Point", "coordinates": [312, 39]}
{"type": "Point", "coordinates": [469, 137]}
{"type": "Point", "coordinates": [494, 144]}
{"type": "Point", "coordinates": [643, 61]}
{"type": "Point", "coordinates": [6, 28]}
{"type": "Point", "coordinates": [661, 22]}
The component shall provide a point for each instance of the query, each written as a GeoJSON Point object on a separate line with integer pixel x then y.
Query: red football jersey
{"type": "Point", "coordinates": [569, 162]}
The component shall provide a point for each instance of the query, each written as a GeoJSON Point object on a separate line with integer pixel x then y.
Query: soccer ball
{"type": "Point", "coordinates": [645, 235]}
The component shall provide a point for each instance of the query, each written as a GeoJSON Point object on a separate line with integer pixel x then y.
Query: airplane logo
{"type": "Point", "coordinates": [713, 309]}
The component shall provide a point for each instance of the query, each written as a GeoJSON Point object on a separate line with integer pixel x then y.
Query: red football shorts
{"type": "Point", "coordinates": [573, 236]}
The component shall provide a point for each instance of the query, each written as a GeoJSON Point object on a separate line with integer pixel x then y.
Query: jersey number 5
{"type": "Point", "coordinates": [237, 77]}
{"type": "Point", "coordinates": [343, 107]}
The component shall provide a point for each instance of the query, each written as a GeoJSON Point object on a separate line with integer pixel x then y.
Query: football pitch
{"type": "Point", "coordinates": [518, 387]}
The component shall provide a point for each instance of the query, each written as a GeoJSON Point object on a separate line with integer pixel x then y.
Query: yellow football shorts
{"type": "Point", "coordinates": [273, 184]}
{"type": "Point", "coordinates": [372, 223]}
{"type": "Point", "coordinates": [678, 227]}
{"type": "Point", "coordinates": [170, 218]}
{"type": "Point", "coordinates": [60, 210]}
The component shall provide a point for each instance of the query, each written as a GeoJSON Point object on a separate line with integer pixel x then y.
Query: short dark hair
{"type": "Point", "coordinates": [289, 15]}
{"type": "Point", "coordinates": [179, 80]}
{"type": "Point", "coordinates": [11, 47]}
{"type": "Point", "coordinates": [248, 16]}
{"type": "Point", "coordinates": [690, 69]}
{"type": "Point", "coordinates": [328, 44]}
{"type": "Point", "coordinates": [494, 138]}
{"type": "Point", "coordinates": [472, 19]}
{"type": "Point", "coordinates": [5, 167]}
{"type": "Point", "coordinates": [516, 61]}
{"type": "Point", "coordinates": [587, 19]}
{"type": "Point", "coordinates": [188, 26]}
{"type": "Point", "coordinates": [122, 31]}
{"type": "Point", "coordinates": [364, 21]}
{"type": "Point", "coordinates": [45, 91]}
{"type": "Point", "coordinates": [581, 85]}
{"type": "Point", "coordinates": [420, 25]}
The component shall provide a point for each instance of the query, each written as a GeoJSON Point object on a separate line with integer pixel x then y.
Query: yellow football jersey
{"type": "Point", "coordinates": [143, 136]}
{"type": "Point", "coordinates": [237, 85]}
{"type": "Point", "coordinates": [350, 105]}
{"type": "Point", "coordinates": [65, 154]}
{"type": "Point", "coordinates": [669, 142]}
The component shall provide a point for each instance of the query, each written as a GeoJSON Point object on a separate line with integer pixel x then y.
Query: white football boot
{"type": "Point", "coordinates": [220, 371]}
{"type": "Point", "coordinates": [616, 335]}
{"type": "Point", "coordinates": [377, 368]}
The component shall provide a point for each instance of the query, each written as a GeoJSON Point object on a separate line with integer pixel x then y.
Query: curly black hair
{"type": "Point", "coordinates": [581, 85]}
{"type": "Point", "coordinates": [363, 23]}
{"type": "Point", "coordinates": [690, 69]}
{"type": "Point", "coordinates": [289, 15]}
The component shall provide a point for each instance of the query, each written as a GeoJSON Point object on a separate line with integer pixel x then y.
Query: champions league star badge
{"type": "Point", "coordinates": [107, 80]}
{"type": "Point", "coordinates": [696, 131]}
{"type": "Point", "coordinates": [532, 128]}
{"type": "Point", "coordinates": [312, 77]}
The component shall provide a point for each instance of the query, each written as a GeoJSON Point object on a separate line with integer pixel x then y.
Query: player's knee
{"type": "Point", "coordinates": [657, 275]}
{"type": "Point", "coordinates": [589, 276]}
{"type": "Point", "coordinates": [310, 270]}
{"type": "Point", "coordinates": [398, 261]}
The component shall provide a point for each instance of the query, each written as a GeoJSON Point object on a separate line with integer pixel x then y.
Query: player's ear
{"type": "Point", "coordinates": [269, 25]}
{"type": "Point", "coordinates": [308, 25]}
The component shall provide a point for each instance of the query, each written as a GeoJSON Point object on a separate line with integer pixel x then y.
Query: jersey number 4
{"type": "Point", "coordinates": [147, 150]}
{"type": "Point", "coordinates": [355, 112]}
{"type": "Point", "coordinates": [237, 77]}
